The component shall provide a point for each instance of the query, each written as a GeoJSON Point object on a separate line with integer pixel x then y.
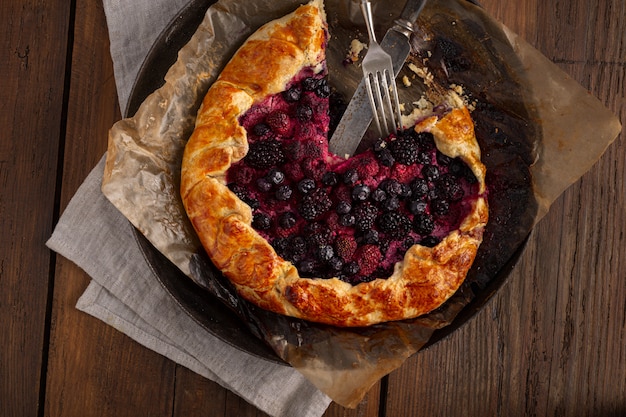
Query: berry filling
{"type": "Point", "coordinates": [347, 218]}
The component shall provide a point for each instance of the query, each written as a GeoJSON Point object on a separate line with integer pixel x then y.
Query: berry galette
{"type": "Point", "coordinates": [388, 234]}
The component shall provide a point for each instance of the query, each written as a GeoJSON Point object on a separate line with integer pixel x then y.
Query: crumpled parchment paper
{"type": "Point", "coordinates": [571, 131]}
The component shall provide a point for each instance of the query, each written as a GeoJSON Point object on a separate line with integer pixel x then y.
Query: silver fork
{"type": "Point", "coordinates": [380, 80]}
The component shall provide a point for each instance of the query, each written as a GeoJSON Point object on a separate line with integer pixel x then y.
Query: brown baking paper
{"type": "Point", "coordinates": [567, 130]}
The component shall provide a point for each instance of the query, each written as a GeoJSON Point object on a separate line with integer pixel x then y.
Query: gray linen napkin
{"type": "Point", "coordinates": [124, 293]}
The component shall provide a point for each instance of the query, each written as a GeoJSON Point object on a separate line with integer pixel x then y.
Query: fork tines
{"type": "Point", "coordinates": [383, 96]}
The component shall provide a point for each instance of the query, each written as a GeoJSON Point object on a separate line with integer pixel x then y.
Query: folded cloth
{"type": "Point", "coordinates": [124, 292]}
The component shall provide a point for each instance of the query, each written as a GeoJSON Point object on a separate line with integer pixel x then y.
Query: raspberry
{"type": "Point", "coordinates": [345, 246]}
{"type": "Point", "coordinates": [279, 122]}
{"type": "Point", "coordinates": [265, 154]}
{"type": "Point", "coordinates": [368, 257]}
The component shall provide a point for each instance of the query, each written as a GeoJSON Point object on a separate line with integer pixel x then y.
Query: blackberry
{"type": "Point", "coordinates": [314, 205]}
{"type": "Point", "coordinates": [423, 224]}
{"type": "Point", "coordinates": [283, 193]}
{"type": "Point", "coordinates": [442, 159]}
{"type": "Point", "coordinates": [296, 249]}
{"type": "Point", "coordinates": [419, 187]}
{"type": "Point", "coordinates": [405, 150]}
{"type": "Point", "coordinates": [243, 195]}
{"type": "Point", "coordinates": [317, 234]}
{"type": "Point", "coordinates": [265, 154]}
{"type": "Point", "coordinates": [360, 192]}
{"type": "Point", "coordinates": [439, 207]}
{"type": "Point", "coordinates": [425, 141]}
{"type": "Point", "coordinates": [424, 158]}
{"type": "Point", "coordinates": [304, 113]}
{"type": "Point", "coordinates": [281, 245]}
{"type": "Point", "coordinates": [287, 220]}
{"type": "Point", "coordinates": [379, 195]}
{"type": "Point", "coordinates": [306, 185]}
{"type": "Point", "coordinates": [261, 221]}
{"type": "Point", "coordinates": [293, 94]}
{"type": "Point", "coordinates": [450, 187]}
{"type": "Point", "coordinates": [365, 215]}
{"type": "Point", "coordinates": [394, 223]}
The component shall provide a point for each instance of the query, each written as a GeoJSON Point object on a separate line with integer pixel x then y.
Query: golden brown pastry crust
{"type": "Point", "coordinates": [421, 282]}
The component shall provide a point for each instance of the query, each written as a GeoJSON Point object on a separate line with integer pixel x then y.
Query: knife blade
{"type": "Point", "coordinates": [358, 115]}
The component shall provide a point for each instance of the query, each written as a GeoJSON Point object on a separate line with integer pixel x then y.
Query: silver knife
{"type": "Point", "coordinates": [358, 115]}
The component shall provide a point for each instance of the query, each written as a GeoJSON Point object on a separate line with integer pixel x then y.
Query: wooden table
{"type": "Point", "coordinates": [551, 342]}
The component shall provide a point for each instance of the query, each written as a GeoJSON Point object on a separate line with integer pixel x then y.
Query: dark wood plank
{"type": "Point", "coordinates": [33, 40]}
{"type": "Point", "coordinates": [553, 340]}
{"type": "Point", "coordinates": [94, 370]}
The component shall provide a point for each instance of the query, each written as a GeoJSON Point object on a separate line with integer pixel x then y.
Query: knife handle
{"type": "Point", "coordinates": [409, 15]}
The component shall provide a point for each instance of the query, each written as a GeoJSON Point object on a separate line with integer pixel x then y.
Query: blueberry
{"type": "Point", "coordinates": [343, 207]}
{"type": "Point", "coordinates": [306, 185]}
{"type": "Point", "coordinates": [430, 172]}
{"type": "Point", "coordinates": [385, 157]}
{"type": "Point", "coordinates": [370, 237]}
{"type": "Point", "coordinates": [330, 178]}
{"type": "Point", "coordinates": [325, 253]}
{"type": "Point", "coordinates": [429, 241]}
{"type": "Point", "coordinates": [263, 185]}
{"type": "Point", "coordinates": [275, 176]}
{"type": "Point", "coordinates": [306, 266]}
{"type": "Point", "coordinates": [347, 220]}
{"type": "Point", "coordinates": [310, 83]}
{"type": "Point", "coordinates": [360, 192]}
{"type": "Point", "coordinates": [391, 204]}
{"type": "Point", "coordinates": [417, 207]}
{"type": "Point", "coordinates": [336, 263]}
{"type": "Point", "coordinates": [323, 89]}
{"type": "Point", "coordinates": [287, 220]}
{"type": "Point", "coordinates": [350, 177]}
{"type": "Point", "coordinates": [292, 94]}
{"type": "Point", "coordinates": [283, 193]}
{"type": "Point", "coordinates": [351, 268]}
{"type": "Point", "coordinates": [261, 129]}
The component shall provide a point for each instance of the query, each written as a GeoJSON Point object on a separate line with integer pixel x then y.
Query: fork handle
{"type": "Point", "coordinates": [409, 14]}
{"type": "Point", "coordinates": [366, 8]}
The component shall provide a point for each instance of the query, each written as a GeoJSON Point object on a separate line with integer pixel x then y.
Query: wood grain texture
{"type": "Point", "coordinates": [552, 341]}
{"type": "Point", "coordinates": [31, 101]}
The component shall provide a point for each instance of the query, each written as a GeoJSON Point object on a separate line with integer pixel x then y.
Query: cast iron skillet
{"type": "Point", "coordinates": [199, 304]}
